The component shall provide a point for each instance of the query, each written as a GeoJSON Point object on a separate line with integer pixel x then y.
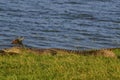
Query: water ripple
{"type": "Point", "coordinates": [61, 23]}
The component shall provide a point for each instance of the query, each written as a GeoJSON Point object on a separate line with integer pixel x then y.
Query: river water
{"type": "Point", "coordinates": [70, 24]}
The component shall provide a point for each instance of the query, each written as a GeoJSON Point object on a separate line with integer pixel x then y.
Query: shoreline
{"type": "Point", "coordinates": [107, 52]}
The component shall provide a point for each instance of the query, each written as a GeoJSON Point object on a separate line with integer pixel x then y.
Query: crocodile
{"type": "Point", "coordinates": [54, 51]}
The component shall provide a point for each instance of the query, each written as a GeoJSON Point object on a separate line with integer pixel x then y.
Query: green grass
{"type": "Point", "coordinates": [59, 67]}
{"type": "Point", "coordinates": [117, 52]}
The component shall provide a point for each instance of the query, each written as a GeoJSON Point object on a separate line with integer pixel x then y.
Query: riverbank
{"type": "Point", "coordinates": [109, 52]}
{"type": "Point", "coordinates": [59, 66]}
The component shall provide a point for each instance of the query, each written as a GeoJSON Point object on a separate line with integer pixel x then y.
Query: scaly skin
{"type": "Point", "coordinates": [102, 52]}
{"type": "Point", "coordinates": [55, 51]}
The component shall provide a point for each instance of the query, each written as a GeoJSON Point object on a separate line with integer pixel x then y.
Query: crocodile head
{"type": "Point", "coordinates": [16, 50]}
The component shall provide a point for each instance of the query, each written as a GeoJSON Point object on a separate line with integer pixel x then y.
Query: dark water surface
{"type": "Point", "coordinates": [71, 24]}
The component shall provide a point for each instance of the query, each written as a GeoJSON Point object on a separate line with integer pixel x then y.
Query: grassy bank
{"type": "Point", "coordinates": [59, 67]}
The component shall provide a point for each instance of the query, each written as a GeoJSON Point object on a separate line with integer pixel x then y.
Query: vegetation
{"type": "Point", "coordinates": [59, 67]}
